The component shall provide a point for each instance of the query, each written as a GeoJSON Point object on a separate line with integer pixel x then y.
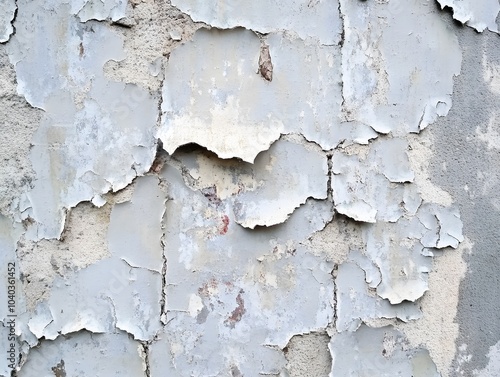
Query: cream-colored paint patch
{"type": "Point", "coordinates": [437, 329]}
{"type": "Point", "coordinates": [420, 154]}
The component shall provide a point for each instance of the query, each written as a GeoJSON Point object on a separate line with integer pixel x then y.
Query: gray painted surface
{"type": "Point", "coordinates": [469, 168]}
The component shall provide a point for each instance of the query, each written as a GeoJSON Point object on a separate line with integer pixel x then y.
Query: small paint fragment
{"type": "Point", "coordinates": [265, 63]}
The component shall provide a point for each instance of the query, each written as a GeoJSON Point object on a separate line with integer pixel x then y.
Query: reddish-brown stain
{"type": "Point", "coordinates": [238, 312]}
{"type": "Point", "coordinates": [225, 222]}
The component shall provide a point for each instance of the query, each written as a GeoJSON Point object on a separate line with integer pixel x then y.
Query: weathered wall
{"type": "Point", "coordinates": [230, 188]}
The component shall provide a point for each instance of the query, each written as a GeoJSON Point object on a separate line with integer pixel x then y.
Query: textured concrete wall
{"type": "Point", "coordinates": [235, 188]}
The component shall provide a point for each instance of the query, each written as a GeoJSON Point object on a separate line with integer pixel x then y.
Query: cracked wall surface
{"type": "Point", "coordinates": [233, 188]}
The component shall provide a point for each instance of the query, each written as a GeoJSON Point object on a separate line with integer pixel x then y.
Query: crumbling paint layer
{"type": "Point", "coordinates": [233, 290]}
{"type": "Point", "coordinates": [356, 302]}
{"type": "Point", "coordinates": [86, 354]}
{"type": "Point", "coordinates": [382, 352]}
{"type": "Point", "coordinates": [476, 14]}
{"type": "Point", "coordinates": [370, 187]}
{"type": "Point", "coordinates": [266, 192]}
{"type": "Point", "coordinates": [96, 135]}
{"type": "Point", "coordinates": [316, 19]}
{"type": "Point", "coordinates": [398, 64]}
{"type": "Point", "coordinates": [127, 293]}
{"type": "Point", "coordinates": [98, 9]}
{"type": "Point", "coordinates": [7, 12]}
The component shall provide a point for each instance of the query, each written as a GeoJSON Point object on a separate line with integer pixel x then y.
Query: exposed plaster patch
{"type": "Point", "coordinates": [476, 14]}
{"type": "Point", "coordinates": [86, 117]}
{"type": "Point", "coordinates": [336, 240]}
{"type": "Point", "coordinates": [438, 330]}
{"type": "Point", "coordinates": [7, 12]}
{"type": "Point", "coordinates": [317, 19]}
{"type": "Point", "coordinates": [84, 244]}
{"type": "Point", "coordinates": [389, 90]}
{"type": "Point", "coordinates": [155, 29]}
{"type": "Point", "coordinates": [85, 354]}
{"type": "Point", "coordinates": [18, 122]}
{"type": "Point", "coordinates": [420, 154]}
{"type": "Point", "coordinates": [380, 352]}
{"type": "Point", "coordinates": [308, 355]}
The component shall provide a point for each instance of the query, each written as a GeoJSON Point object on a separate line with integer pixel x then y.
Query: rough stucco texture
{"type": "Point", "coordinates": [233, 188]}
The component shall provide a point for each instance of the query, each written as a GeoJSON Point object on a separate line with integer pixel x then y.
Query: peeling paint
{"type": "Point", "coordinates": [244, 119]}
{"type": "Point", "coordinates": [226, 188]}
{"type": "Point", "coordinates": [389, 90]}
{"type": "Point", "coordinates": [476, 14]}
{"type": "Point", "coordinates": [356, 303]}
{"type": "Point", "coordinates": [247, 301]}
{"type": "Point", "coordinates": [81, 106]}
{"type": "Point", "coordinates": [83, 354]}
{"type": "Point", "coordinates": [366, 188]}
{"type": "Point", "coordinates": [382, 352]}
{"type": "Point", "coordinates": [314, 19]}
{"type": "Point", "coordinates": [7, 12]}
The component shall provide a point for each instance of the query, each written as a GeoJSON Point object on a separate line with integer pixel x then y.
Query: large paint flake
{"type": "Point", "coordinates": [86, 354]}
{"type": "Point", "coordinates": [356, 302]}
{"type": "Point", "coordinates": [380, 352]}
{"type": "Point", "coordinates": [7, 11]}
{"type": "Point", "coordinates": [214, 96]}
{"type": "Point", "coordinates": [266, 192]}
{"type": "Point", "coordinates": [127, 293]}
{"type": "Point", "coordinates": [476, 14]}
{"type": "Point", "coordinates": [398, 63]}
{"type": "Point", "coordinates": [96, 135]}
{"type": "Point", "coordinates": [371, 187]}
{"type": "Point", "coordinates": [317, 19]}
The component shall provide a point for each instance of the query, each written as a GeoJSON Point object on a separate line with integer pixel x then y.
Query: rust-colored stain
{"type": "Point", "coordinates": [156, 166]}
{"type": "Point", "coordinates": [59, 370]}
{"type": "Point", "coordinates": [238, 312]}
{"type": "Point", "coordinates": [225, 222]}
{"type": "Point", "coordinates": [205, 289]}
